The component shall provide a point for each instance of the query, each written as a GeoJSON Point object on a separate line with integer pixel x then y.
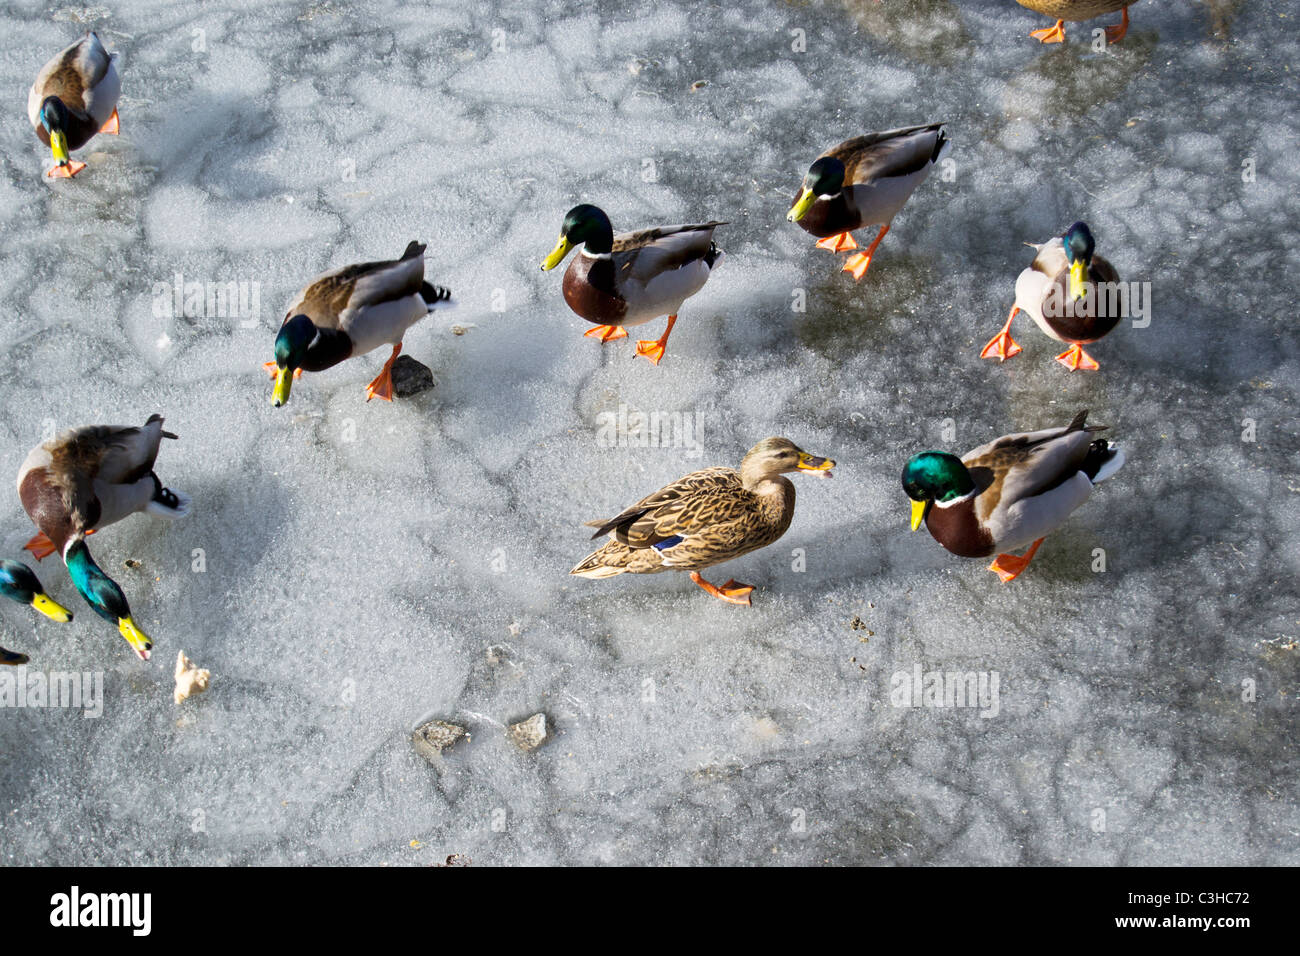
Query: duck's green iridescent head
{"type": "Point", "coordinates": [584, 224]}
{"type": "Point", "coordinates": [825, 177]}
{"type": "Point", "coordinates": [290, 353]}
{"type": "Point", "coordinates": [54, 117]}
{"type": "Point", "coordinates": [932, 476]}
{"type": "Point", "coordinates": [18, 583]}
{"type": "Point", "coordinates": [1079, 246]}
{"type": "Point", "coordinates": [104, 596]}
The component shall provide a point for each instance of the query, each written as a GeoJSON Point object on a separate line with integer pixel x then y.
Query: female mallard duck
{"type": "Point", "coordinates": [18, 583]}
{"type": "Point", "coordinates": [1067, 290]}
{"type": "Point", "coordinates": [75, 97]}
{"type": "Point", "coordinates": [351, 311]}
{"type": "Point", "coordinates": [1074, 11]}
{"type": "Point", "coordinates": [86, 479]}
{"type": "Point", "coordinates": [864, 182]}
{"type": "Point", "coordinates": [706, 518]}
{"type": "Point", "coordinates": [1008, 493]}
{"type": "Point", "coordinates": [634, 277]}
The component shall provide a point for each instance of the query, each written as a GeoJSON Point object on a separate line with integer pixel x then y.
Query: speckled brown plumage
{"type": "Point", "coordinates": [704, 518]}
{"type": "Point", "coordinates": [1075, 10]}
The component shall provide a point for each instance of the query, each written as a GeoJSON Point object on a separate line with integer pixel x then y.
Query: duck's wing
{"type": "Point", "coordinates": [891, 153]}
{"type": "Point", "coordinates": [72, 73]}
{"type": "Point", "coordinates": [1016, 468]}
{"type": "Point", "coordinates": [330, 299]}
{"type": "Point", "coordinates": [647, 253]}
{"type": "Point", "coordinates": [712, 501]}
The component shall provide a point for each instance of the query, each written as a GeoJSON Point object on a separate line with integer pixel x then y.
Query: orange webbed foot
{"type": "Point", "coordinates": [1117, 32]}
{"type": "Point", "coordinates": [1075, 358]}
{"type": "Point", "coordinates": [606, 333]}
{"type": "Point", "coordinates": [654, 349]}
{"type": "Point", "coordinates": [273, 370]}
{"type": "Point", "coordinates": [382, 386]}
{"type": "Point", "coordinates": [1009, 566]}
{"type": "Point", "coordinates": [858, 263]}
{"type": "Point", "coordinates": [1052, 34]}
{"type": "Point", "coordinates": [733, 592]}
{"type": "Point", "coordinates": [1002, 346]}
{"type": "Point", "coordinates": [40, 546]}
{"type": "Point", "coordinates": [66, 170]}
{"type": "Point", "coordinates": [112, 127]}
{"type": "Point", "coordinates": [837, 243]}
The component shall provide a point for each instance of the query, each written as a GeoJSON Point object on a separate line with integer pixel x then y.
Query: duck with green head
{"type": "Point", "coordinates": [632, 278]}
{"type": "Point", "coordinates": [1009, 493]}
{"type": "Point", "coordinates": [88, 478]}
{"type": "Point", "coordinates": [18, 583]}
{"type": "Point", "coordinates": [349, 311]}
{"type": "Point", "coordinates": [864, 181]}
{"type": "Point", "coordinates": [1071, 294]}
{"type": "Point", "coordinates": [74, 97]}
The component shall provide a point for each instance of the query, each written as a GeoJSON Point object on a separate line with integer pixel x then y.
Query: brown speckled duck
{"type": "Point", "coordinates": [88, 478]}
{"type": "Point", "coordinates": [634, 277]}
{"type": "Point", "coordinates": [74, 97]}
{"type": "Point", "coordinates": [864, 181]}
{"type": "Point", "coordinates": [1069, 292]}
{"type": "Point", "coordinates": [1009, 493]}
{"type": "Point", "coordinates": [1074, 11]}
{"type": "Point", "coordinates": [706, 518]}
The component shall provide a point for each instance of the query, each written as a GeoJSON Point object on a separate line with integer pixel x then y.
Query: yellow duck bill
{"type": "Point", "coordinates": [557, 255]}
{"type": "Point", "coordinates": [918, 513]}
{"type": "Point", "coordinates": [820, 466]}
{"type": "Point", "coordinates": [59, 147]}
{"type": "Point", "coordinates": [1078, 278]}
{"type": "Point", "coordinates": [283, 384]}
{"type": "Point", "coordinates": [137, 638]}
{"type": "Point", "coordinates": [801, 206]}
{"type": "Point", "coordinates": [51, 608]}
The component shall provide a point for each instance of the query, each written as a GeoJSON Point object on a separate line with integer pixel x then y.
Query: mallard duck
{"type": "Point", "coordinates": [351, 311]}
{"type": "Point", "coordinates": [706, 518]}
{"type": "Point", "coordinates": [1009, 493]}
{"type": "Point", "coordinates": [18, 583]}
{"type": "Point", "coordinates": [1074, 11]}
{"type": "Point", "coordinates": [634, 277]}
{"type": "Point", "coordinates": [86, 479]}
{"type": "Point", "coordinates": [881, 171]}
{"type": "Point", "coordinates": [1067, 291]}
{"type": "Point", "coordinates": [75, 97]}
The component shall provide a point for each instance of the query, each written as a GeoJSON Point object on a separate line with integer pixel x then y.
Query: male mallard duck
{"type": "Point", "coordinates": [881, 171]}
{"type": "Point", "coordinates": [1067, 291]}
{"type": "Point", "coordinates": [1008, 493]}
{"type": "Point", "coordinates": [1074, 11]}
{"type": "Point", "coordinates": [75, 97]}
{"type": "Point", "coordinates": [18, 583]}
{"type": "Point", "coordinates": [706, 518]}
{"type": "Point", "coordinates": [634, 277]}
{"type": "Point", "coordinates": [351, 311]}
{"type": "Point", "coordinates": [86, 479]}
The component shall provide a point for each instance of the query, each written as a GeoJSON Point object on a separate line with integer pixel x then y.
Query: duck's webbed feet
{"type": "Point", "coordinates": [733, 592]}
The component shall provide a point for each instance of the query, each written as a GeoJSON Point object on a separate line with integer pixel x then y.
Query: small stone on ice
{"type": "Point", "coordinates": [431, 739]}
{"type": "Point", "coordinates": [529, 734]}
{"type": "Point", "coordinates": [410, 377]}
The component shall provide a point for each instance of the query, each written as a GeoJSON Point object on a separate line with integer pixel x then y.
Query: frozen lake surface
{"type": "Point", "coordinates": [351, 569]}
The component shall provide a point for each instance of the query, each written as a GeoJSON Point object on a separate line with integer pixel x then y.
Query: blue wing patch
{"type": "Point", "coordinates": [667, 543]}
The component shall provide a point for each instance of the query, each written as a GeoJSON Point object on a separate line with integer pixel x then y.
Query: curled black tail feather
{"type": "Point", "coordinates": [1099, 452]}
{"type": "Point", "coordinates": [433, 294]}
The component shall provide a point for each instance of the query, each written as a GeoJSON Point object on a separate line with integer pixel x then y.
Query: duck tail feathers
{"type": "Point", "coordinates": [1104, 459]}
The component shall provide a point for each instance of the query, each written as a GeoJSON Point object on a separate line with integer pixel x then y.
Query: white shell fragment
{"type": "Point", "coordinates": [189, 679]}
